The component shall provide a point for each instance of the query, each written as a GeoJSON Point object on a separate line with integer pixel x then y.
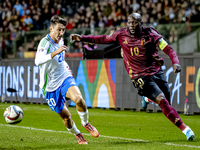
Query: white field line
{"type": "Point", "coordinates": [111, 137]}
{"type": "Point", "coordinates": [27, 108]}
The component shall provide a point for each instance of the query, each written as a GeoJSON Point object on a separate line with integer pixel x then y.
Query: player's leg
{"type": "Point", "coordinates": [71, 126]}
{"type": "Point", "coordinates": [151, 90]}
{"type": "Point", "coordinates": [56, 102]}
{"type": "Point", "coordinates": [173, 116]}
{"type": "Point", "coordinates": [163, 100]}
{"type": "Point", "coordinates": [75, 95]}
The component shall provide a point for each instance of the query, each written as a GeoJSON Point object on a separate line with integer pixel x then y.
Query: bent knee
{"type": "Point", "coordinates": [66, 118]}
{"type": "Point", "coordinates": [160, 97]}
{"type": "Point", "coordinates": [79, 100]}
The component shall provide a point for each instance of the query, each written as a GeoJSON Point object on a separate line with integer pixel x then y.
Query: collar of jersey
{"type": "Point", "coordinates": [51, 39]}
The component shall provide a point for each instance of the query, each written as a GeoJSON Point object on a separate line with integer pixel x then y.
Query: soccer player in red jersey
{"type": "Point", "coordinates": [143, 64]}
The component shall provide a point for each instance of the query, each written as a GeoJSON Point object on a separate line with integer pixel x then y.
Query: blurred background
{"type": "Point", "coordinates": [24, 22]}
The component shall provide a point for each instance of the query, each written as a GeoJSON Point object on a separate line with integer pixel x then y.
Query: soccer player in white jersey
{"type": "Point", "coordinates": [57, 82]}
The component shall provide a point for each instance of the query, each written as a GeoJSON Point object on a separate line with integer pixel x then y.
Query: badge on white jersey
{"type": "Point", "coordinates": [41, 49]}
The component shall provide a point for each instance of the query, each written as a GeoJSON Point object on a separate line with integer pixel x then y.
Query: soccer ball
{"type": "Point", "coordinates": [13, 114]}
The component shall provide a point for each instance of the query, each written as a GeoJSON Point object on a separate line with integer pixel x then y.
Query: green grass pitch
{"type": "Point", "coordinates": [122, 130]}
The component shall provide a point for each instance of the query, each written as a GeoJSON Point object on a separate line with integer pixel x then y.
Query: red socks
{"type": "Point", "coordinates": [171, 114]}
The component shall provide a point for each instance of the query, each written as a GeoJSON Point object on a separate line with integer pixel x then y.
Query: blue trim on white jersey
{"type": "Point", "coordinates": [51, 39]}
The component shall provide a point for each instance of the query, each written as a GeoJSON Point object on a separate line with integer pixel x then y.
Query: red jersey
{"type": "Point", "coordinates": [139, 53]}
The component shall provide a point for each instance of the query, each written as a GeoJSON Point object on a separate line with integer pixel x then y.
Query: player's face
{"type": "Point", "coordinates": [57, 32]}
{"type": "Point", "coordinates": [134, 25]}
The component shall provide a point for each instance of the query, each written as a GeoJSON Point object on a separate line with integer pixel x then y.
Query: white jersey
{"type": "Point", "coordinates": [53, 71]}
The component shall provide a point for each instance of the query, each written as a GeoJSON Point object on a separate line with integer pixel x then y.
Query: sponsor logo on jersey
{"type": "Point", "coordinates": [125, 42]}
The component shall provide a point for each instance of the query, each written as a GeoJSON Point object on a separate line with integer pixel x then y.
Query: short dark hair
{"type": "Point", "coordinates": [56, 19]}
{"type": "Point", "coordinates": [136, 16]}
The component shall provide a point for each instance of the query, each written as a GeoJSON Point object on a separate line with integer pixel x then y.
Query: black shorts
{"type": "Point", "coordinates": [152, 86]}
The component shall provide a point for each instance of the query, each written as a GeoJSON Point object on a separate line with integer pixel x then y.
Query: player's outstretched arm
{"type": "Point", "coordinates": [99, 39]}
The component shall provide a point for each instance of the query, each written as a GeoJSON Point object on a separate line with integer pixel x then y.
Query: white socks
{"type": "Point", "coordinates": [84, 121]}
{"type": "Point", "coordinates": [74, 129]}
{"type": "Point", "coordinates": [185, 130]}
{"type": "Point", "coordinates": [84, 117]}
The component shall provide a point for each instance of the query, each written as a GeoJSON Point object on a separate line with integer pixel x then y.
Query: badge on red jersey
{"type": "Point", "coordinates": [142, 41]}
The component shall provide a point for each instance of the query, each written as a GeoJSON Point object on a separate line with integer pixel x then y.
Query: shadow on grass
{"type": "Point", "coordinates": [182, 141]}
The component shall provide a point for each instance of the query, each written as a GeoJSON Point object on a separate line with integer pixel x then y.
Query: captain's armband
{"type": "Point", "coordinates": [162, 44]}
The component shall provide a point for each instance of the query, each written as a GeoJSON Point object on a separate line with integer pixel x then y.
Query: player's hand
{"type": "Point", "coordinates": [75, 37]}
{"type": "Point", "coordinates": [176, 68]}
{"type": "Point", "coordinates": [59, 50]}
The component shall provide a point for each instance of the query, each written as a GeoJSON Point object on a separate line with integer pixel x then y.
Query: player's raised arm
{"type": "Point", "coordinates": [43, 56]}
{"type": "Point", "coordinates": [59, 50]}
{"type": "Point", "coordinates": [167, 49]}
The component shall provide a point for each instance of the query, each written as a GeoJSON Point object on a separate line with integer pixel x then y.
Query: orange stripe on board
{"type": "Point", "coordinates": [189, 87]}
